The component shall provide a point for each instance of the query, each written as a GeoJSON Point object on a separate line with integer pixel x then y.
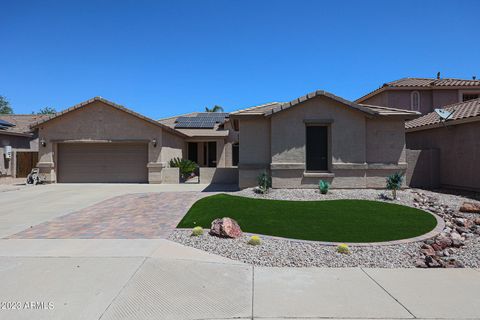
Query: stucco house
{"type": "Point", "coordinates": [446, 152]}
{"type": "Point", "coordinates": [317, 136]}
{"type": "Point", "coordinates": [321, 136]}
{"type": "Point", "coordinates": [439, 153]}
{"type": "Point", "coordinates": [21, 144]}
{"type": "Point", "coordinates": [101, 141]}
{"type": "Point", "coordinates": [423, 94]}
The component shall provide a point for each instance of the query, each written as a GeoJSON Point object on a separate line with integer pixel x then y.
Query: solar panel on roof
{"type": "Point", "coordinates": [4, 123]}
{"type": "Point", "coordinates": [201, 120]}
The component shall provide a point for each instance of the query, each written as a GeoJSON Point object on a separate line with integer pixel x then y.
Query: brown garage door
{"type": "Point", "coordinates": [102, 162]}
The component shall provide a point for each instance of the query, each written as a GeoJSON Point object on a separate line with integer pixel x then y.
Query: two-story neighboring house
{"type": "Point", "coordinates": [443, 149]}
{"type": "Point", "coordinates": [422, 94]}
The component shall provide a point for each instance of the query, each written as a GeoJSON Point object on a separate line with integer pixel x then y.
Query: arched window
{"type": "Point", "coordinates": [415, 101]}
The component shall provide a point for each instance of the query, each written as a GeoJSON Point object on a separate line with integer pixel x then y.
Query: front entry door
{"type": "Point", "coordinates": [317, 148]}
{"type": "Point", "coordinates": [212, 154]}
{"type": "Point", "coordinates": [193, 151]}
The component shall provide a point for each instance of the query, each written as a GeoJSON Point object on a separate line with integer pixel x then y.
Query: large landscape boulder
{"type": "Point", "coordinates": [470, 207]}
{"type": "Point", "coordinates": [225, 228]}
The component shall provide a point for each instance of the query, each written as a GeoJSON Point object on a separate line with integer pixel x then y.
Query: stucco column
{"type": "Point", "coordinates": [220, 153]}
{"type": "Point", "coordinates": [46, 161]}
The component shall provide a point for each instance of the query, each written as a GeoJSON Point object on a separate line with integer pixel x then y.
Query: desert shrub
{"type": "Point", "coordinates": [197, 231]}
{"type": "Point", "coordinates": [394, 183]}
{"type": "Point", "coordinates": [186, 167]}
{"type": "Point", "coordinates": [343, 248]}
{"type": "Point", "coordinates": [323, 186]}
{"type": "Point", "coordinates": [255, 241]}
{"type": "Point", "coordinates": [264, 182]}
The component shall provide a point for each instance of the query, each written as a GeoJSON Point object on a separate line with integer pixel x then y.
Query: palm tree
{"type": "Point", "coordinates": [214, 109]}
{"type": "Point", "coordinates": [47, 110]}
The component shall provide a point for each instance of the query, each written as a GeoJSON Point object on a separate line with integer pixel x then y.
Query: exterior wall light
{"type": "Point", "coordinates": [43, 142]}
{"type": "Point", "coordinates": [154, 142]}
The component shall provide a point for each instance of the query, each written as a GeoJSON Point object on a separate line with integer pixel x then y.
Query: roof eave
{"type": "Point", "coordinates": [19, 134]}
{"type": "Point", "coordinates": [110, 103]}
{"type": "Point", "coordinates": [314, 94]}
{"type": "Point", "coordinates": [444, 124]}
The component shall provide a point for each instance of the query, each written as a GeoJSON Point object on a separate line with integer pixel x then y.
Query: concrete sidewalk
{"type": "Point", "coordinates": [159, 279]}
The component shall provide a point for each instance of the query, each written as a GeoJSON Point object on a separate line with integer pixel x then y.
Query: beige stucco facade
{"type": "Point", "coordinates": [457, 160]}
{"type": "Point", "coordinates": [99, 121]}
{"type": "Point", "coordinates": [362, 149]}
{"type": "Point", "coordinates": [429, 98]}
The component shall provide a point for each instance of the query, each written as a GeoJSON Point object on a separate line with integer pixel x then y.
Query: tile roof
{"type": "Point", "coordinates": [259, 109]}
{"type": "Point", "coordinates": [462, 110]}
{"type": "Point", "coordinates": [273, 107]}
{"type": "Point", "coordinates": [430, 83]}
{"type": "Point", "coordinates": [110, 103]}
{"type": "Point", "coordinates": [22, 122]}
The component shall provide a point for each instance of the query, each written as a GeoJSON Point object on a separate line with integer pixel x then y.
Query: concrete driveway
{"type": "Point", "coordinates": [129, 216]}
{"type": "Point", "coordinates": [29, 206]}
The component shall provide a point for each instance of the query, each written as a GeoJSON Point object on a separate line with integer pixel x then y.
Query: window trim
{"type": "Point", "coordinates": [412, 94]}
{"type": "Point", "coordinates": [462, 92]}
{"type": "Point", "coordinates": [320, 123]}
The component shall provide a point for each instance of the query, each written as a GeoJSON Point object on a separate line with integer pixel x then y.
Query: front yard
{"type": "Point", "coordinates": [333, 221]}
{"type": "Point", "coordinates": [457, 245]}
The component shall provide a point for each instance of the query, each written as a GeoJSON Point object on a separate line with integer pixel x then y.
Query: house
{"type": "Point", "coordinates": [446, 152]}
{"type": "Point", "coordinates": [439, 153]}
{"type": "Point", "coordinates": [422, 94]}
{"type": "Point", "coordinates": [317, 136]}
{"type": "Point", "coordinates": [321, 136]}
{"type": "Point", "coordinates": [101, 141]}
{"type": "Point", "coordinates": [18, 145]}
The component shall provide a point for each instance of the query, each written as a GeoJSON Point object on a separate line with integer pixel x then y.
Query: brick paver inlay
{"type": "Point", "coordinates": [130, 216]}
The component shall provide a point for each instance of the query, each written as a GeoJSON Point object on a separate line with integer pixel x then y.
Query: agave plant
{"type": "Point", "coordinates": [264, 182]}
{"type": "Point", "coordinates": [323, 186]}
{"type": "Point", "coordinates": [185, 166]}
{"type": "Point", "coordinates": [394, 183]}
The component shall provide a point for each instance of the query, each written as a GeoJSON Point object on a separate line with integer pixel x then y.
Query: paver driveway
{"type": "Point", "coordinates": [129, 216]}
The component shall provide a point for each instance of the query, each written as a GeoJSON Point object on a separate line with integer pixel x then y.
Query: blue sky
{"type": "Point", "coordinates": [162, 58]}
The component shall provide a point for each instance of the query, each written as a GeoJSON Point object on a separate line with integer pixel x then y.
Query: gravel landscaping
{"type": "Point", "coordinates": [283, 252]}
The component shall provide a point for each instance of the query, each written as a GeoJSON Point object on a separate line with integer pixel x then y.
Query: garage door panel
{"type": "Point", "coordinates": [103, 162]}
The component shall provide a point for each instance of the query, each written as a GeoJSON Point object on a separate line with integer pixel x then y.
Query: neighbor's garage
{"type": "Point", "coordinates": [102, 162]}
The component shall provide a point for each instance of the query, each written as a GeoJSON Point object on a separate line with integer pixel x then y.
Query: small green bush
{"type": "Point", "coordinates": [394, 183]}
{"type": "Point", "coordinates": [323, 186]}
{"type": "Point", "coordinates": [197, 231]}
{"type": "Point", "coordinates": [343, 248]}
{"type": "Point", "coordinates": [255, 241]}
{"type": "Point", "coordinates": [186, 167]}
{"type": "Point", "coordinates": [264, 182]}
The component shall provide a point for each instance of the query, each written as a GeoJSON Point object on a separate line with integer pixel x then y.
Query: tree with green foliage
{"type": "Point", "coordinates": [47, 110]}
{"type": "Point", "coordinates": [214, 109]}
{"type": "Point", "coordinates": [5, 107]}
{"type": "Point", "coordinates": [186, 167]}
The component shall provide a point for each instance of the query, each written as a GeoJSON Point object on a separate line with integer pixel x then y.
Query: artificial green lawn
{"type": "Point", "coordinates": [332, 220]}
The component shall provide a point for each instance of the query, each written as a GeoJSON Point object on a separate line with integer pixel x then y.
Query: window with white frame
{"type": "Point", "coordinates": [415, 101]}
